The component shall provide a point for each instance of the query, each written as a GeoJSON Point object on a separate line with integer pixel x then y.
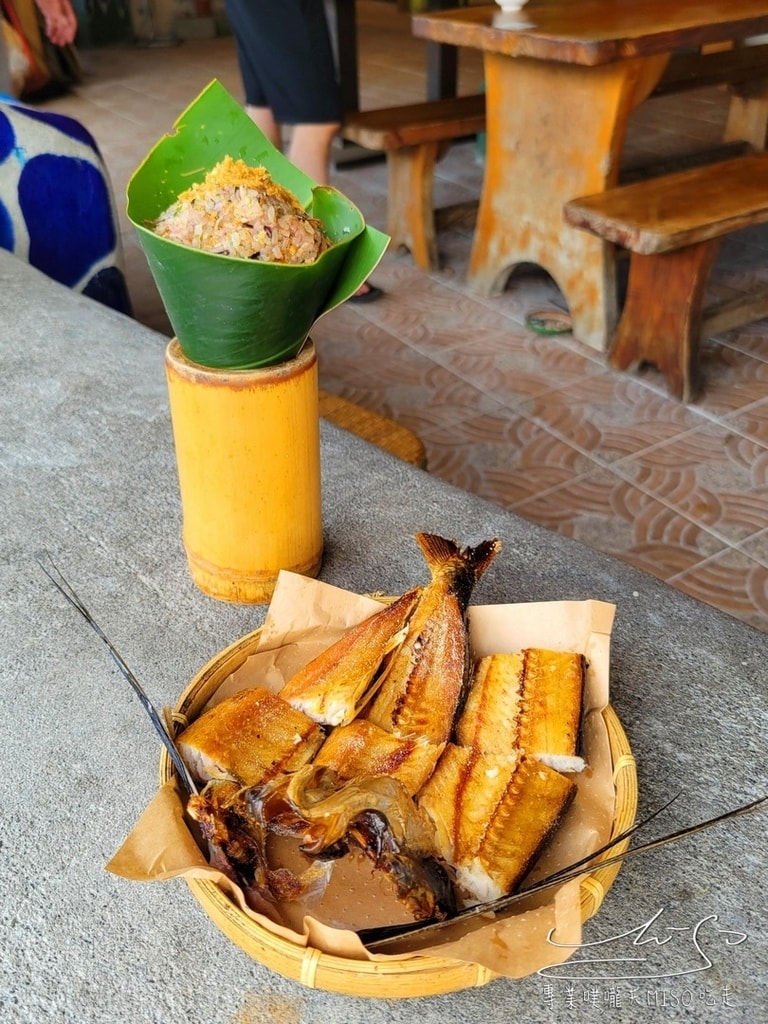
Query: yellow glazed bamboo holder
{"type": "Point", "coordinates": [248, 456]}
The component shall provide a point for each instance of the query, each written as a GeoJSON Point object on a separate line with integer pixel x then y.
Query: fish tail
{"type": "Point", "coordinates": [460, 567]}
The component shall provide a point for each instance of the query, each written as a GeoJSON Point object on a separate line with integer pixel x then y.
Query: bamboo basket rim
{"type": "Point", "coordinates": [406, 976]}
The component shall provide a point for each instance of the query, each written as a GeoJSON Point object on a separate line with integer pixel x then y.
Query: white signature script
{"type": "Point", "coordinates": [653, 949]}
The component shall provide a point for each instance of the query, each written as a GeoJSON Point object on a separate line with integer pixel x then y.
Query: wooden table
{"type": "Point", "coordinates": [562, 80]}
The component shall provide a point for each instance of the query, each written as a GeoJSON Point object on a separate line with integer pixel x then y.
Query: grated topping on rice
{"type": "Point", "coordinates": [238, 210]}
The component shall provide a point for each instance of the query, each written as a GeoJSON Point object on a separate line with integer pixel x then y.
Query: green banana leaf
{"type": "Point", "coordinates": [231, 313]}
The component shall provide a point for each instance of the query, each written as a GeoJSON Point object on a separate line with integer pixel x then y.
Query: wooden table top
{"type": "Point", "coordinates": [595, 31]}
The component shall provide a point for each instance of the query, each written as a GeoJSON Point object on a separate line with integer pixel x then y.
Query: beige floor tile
{"type": "Point", "coordinates": [613, 415]}
{"type": "Point", "coordinates": [611, 514]}
{"type": "Point", "coordinates": [711, 475]}
{"type": "Point", "coordinates": [732, 581]}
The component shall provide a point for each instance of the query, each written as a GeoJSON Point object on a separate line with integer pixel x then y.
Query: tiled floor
{"type": "Point", "coordinates": [539, 425]}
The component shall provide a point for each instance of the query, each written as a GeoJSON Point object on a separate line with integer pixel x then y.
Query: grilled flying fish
{"type": "Point", "coordinates": [526, 702]}
{"type": "Point", "coordinates": [248, 738]}
{"type": "Point", "coordinates": [493, 813]}
{"type": "Point", "coordinates": [330, 688]}
{"type": "Point", "coordinates": [426, 676]}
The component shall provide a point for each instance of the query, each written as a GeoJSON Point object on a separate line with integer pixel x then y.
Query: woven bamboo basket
{"type": "Point", "coordinates": [396, 977]}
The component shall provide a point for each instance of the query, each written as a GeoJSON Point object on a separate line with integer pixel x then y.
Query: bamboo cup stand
{"type": "Point", "coordinates": [248, 455]}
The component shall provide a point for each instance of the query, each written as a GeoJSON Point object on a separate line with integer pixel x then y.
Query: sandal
{"type": "Point", "coordinates": [367, 292]}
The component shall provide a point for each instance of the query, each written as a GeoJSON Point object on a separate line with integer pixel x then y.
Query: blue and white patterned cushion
{"type": "Point", "coordinates": [56, 206]}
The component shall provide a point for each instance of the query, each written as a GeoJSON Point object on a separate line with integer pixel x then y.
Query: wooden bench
{"type": "Point", "coordinates": [738, 66]}
{"type": "Point", "coordinates": [672, 226]}
{"type": "Point", "coordinates": [414, 137]}
{"type": "Point", "coordinates": [743, 68]}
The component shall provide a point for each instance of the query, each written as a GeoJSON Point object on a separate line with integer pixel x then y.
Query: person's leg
{"type": "Point", "coordinates": [288, 69]}
{"type": "Point", "coordinates": [251, 45]}
{"type": "Point", "coordinates": [264, 119]}
{"type": "Point", "coordinates": [310, 149]}
{"type": "Point", "coordinates": [287, 66]}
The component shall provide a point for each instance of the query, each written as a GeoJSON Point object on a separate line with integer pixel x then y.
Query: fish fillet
{"type": "Point", "coordinates": [527, 702]}
{"type": "Point", "coordinates": [329, 688]}
{"type": "Point", "coordinates": [248, 738]}
{"type": "Point", "coordinates": [427, 674]}
{"type": "Point", "coordinates": [491, 716]}
{"type": "Point", "coordinates": [362, 748]}
{"type": "Point", "coordinates": [553, 687]}
{"type": "Point", "coordinates": [492, 813]}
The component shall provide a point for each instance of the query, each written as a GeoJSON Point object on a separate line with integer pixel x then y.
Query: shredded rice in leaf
{"type": "Point", "coordinates": [238, 210]}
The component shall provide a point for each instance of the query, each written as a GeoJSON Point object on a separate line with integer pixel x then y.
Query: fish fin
{"type": "Point", "coordinates": [483, 554]}
{"type": "Point", "coordinates": [462, 567]}
{"type": "Point", "coordinates": [437, 550]}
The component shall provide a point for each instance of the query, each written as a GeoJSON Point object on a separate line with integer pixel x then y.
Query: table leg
{"type": "Point", "coordinates": [342, 23]}
{"type": "Point", "coordinates": [748, 114]}
{"type": "Point", "coordinates": [554, 132]}
{"type": "Point", "coordinates": [410, 217]}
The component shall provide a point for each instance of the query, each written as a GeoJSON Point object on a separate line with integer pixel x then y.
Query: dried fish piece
{"type": "Point", "coordinates": [248, 738]}
{"type": "Point", "coordinates": [354, 894]}
{"type": "Point", "coordinates": [493, 813]}
{"type": "Point", "coordinates": [326, 817]}
{"type": "Point", "coordinates": [426, 677]}
{"type": "Point", "coordinates": [362, 748]}
{"type": "Point", "coordinates": [553, 688]}
{"type": "Point", "coordinates": [526, 702]}
{"type": "Point", "coordinates": [490, 719]}
{"type": "Point", "coordinates": [238, 845]}
{"type": "Point", "coordinates": [332, 686]}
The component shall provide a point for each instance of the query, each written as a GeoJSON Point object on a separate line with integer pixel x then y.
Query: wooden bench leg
{"type": "Point", "coordinates": [410, 216]}
{"type": "Point", "coordinates": [661, 319]}
{"type": "Point", "coordinates": [748, 115]}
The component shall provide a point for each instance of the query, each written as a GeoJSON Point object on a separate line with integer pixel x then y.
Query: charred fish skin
{"type": "Point", "coordinates": [422, 884]}
{"type": "Point", "coordinates": [426, 677]}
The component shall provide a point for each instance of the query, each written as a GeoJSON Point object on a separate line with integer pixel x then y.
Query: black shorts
{"type": "Point", "coordinates": [286, 59]}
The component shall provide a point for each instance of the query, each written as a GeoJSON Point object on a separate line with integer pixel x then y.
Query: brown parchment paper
{"type": "Point", "coordinates": [305, 616]}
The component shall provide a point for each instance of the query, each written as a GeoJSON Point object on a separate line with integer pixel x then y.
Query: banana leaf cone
{"type": "Point", "coordinates": [227, 312]}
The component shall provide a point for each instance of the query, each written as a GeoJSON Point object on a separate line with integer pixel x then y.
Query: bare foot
{"type": "Point", "coordinates": [367, 292]}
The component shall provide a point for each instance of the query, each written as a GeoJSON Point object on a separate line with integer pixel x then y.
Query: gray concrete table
{"type": "Point", "coordinates": [88, 474]}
